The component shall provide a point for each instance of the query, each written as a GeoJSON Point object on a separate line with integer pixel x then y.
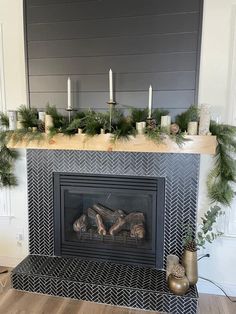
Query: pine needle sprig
{"type": "Point", "coordinates": [155, 134]}
{"type": "Point", "coordinates": [192, 114]}
{"type": "Point", "coordinates": [123, 129]}
{"type": "Point", "coordinates": [139, 115]}
{"type": "Point", "coordinates": [59, 121]}
{"type": "Point", "coordinates": [28, 117]}
{"type": "Point", "coordinates": [4, 120]}
{"type": "Point", "coordinates": [179, 138]}
{"type": "Point", "coordinates": [158, 113]}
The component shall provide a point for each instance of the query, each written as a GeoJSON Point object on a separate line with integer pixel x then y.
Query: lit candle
{"type": "Point", "coordinates": [111, 85]}
{"type": "Point", "coordinates": [69, 93]}
{"type": "Point", "coordinates": [150, 102]}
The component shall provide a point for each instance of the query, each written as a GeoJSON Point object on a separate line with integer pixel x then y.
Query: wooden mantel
{"type": "Point", "coordinates": [195, 144]}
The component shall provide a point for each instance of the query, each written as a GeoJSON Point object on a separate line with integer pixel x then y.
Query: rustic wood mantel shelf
{"type": "Point", "coordinates": [195, 144]}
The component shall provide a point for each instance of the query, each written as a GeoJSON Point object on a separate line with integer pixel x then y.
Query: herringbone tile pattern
{"type": "Point", "coordinates": [179, 170]}
{"type": "Point", "coordinates": [103, 282]}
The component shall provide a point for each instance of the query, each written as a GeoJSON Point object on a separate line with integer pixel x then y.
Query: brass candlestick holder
{"type": "Point", "coordinates": [70, 110]}
{"type": "Point", "coordinates": [111, 104]}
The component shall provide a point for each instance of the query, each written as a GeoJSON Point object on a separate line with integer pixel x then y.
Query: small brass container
{"type": "Point", "coordinates": [178, 286]}
{"type": "Point", "coordinates": [189, 262]}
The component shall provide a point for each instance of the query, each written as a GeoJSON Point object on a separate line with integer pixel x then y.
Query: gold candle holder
{"type": "Point", "coordinates": [111, 104]}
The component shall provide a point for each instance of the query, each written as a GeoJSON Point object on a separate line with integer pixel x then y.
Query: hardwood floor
{"type": "Point", "coordinates": [17, 302]}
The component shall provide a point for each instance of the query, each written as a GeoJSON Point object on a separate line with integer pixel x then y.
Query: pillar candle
{"type": "Point", "coordinates": [42, 116]}
{"type": "Point", "coordinates": [48, 123]}
{"type": "Point", "coordinates": [111, 85]}
{"type": "Point", "coordinates": [12, 120]}
{"type": "Point", "coordinates": [69, 93]}
{"type": "Point", "coordinates": [165, 121]}
{"type": "Point", "coordinates": [205, 119]}
{"type": "Point", "coordinates": [140, 127]}
{"type": "Point", "coordinates": [192, 128]}
{"type": "Point", "coordinates": [150, 102]}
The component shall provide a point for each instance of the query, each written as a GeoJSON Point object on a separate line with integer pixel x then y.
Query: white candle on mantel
{"type": "Point", "coordinates": [69, 93]}
{"type": "Point", "coordinates": [111, 85]}
{"type": "Point", "coordinates": [150, 102]}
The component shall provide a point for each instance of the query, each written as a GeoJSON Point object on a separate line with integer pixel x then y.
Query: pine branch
{"type": "Point", "coordinates": [192, 114]}
{"type": "Point", "coordinates": [4, 120]}
{"type": "Point", "coordinates": [158, 113]}
{"type": "Point", "coordinates": [28, 117]}
{"type": "Point", "coordinates": [139, 115]}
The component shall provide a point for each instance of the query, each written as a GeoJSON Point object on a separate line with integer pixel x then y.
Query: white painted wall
{"type": "Point", "coordinates": [214, 88]}
{"type": "Point", "coordinates": [217, 87]}
{"type": "Point", "coordinates": [13, 94]}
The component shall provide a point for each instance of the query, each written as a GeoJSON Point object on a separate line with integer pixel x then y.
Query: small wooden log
{"type": "Point", "coordinates": [117, 227]}
{"type": "Point", "coordinates": [81, 224]}
{"type": "Point", "coordinates": [100, 225]}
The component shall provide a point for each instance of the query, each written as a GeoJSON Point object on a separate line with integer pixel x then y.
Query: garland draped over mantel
{"type": "Point", "coordinates": [220, 179]}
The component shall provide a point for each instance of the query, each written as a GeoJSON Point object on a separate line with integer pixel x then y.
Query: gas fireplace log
{"type": "Point", "coordinates": [137, 231]}
{"type": "Point", "coordinates": [100, 225]}
{"type": "Point", "coordinates": [108, 215]}
{"type": "Point", "coordinates": [117, 227]}
{"type": "Point", "coordinates": [81, 224]}
{"type": "Point", "coordinates": [92, 215]}
{"type": "Point", "coordinates": [135, 217]}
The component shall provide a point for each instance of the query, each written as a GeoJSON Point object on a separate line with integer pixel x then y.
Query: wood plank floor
{"type": "Point", "coordinates": [17, 302]}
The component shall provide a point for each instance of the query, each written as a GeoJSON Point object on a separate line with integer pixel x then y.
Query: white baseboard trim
{"type": "Point", "coordinates": [207, 287]}
{"type": "Point", "coordinates": [10, 261]}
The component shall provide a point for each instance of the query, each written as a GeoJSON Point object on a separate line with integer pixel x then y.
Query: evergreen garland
{"type": "Point", "coordinates": [224, 169]}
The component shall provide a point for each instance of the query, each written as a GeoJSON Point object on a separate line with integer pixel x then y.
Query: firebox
{"type": "Point", "coordinates": [110, 217]}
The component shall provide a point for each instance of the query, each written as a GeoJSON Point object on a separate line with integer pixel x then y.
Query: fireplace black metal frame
{"type": "Point", "coordinates": [155, 186]}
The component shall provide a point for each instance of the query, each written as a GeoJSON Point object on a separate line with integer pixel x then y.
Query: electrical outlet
{"type": "Point", "coordinates": [20, 235]}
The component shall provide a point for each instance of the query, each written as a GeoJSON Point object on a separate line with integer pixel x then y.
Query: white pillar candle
{"type": "Point", "coordinates": [150, 102]}
{"type": "Point", "coordinates": [192, 128]}
{"type": "Point", "coordinates": [69, 93]}
{"type": "Point", "coordinates": [140, 127]}
{"type": "Point", "coordinates": [12, 120]}
{"type": "Point", "coordinates": [42, 116]}
{"type": "Point", "coordinates": [165, 121]}
{"type": "Point", "coordinates": [48, 123]}
{"type": "Point", "coordinates": [205, 119]}
{"type": "Point", "coordinates": [111, 85]}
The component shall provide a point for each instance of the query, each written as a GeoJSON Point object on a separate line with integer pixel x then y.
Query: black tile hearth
{"type": "Point", "coordinates": [104, 282]}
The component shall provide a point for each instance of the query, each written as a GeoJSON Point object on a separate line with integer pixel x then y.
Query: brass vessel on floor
{"type": "Point", "coordinates": [178, 286]}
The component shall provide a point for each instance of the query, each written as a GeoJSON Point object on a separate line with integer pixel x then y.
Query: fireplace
{"type": "Point", "coordinates": [63, 184]}
{"type": "Point", "coordinates": [110, 217]}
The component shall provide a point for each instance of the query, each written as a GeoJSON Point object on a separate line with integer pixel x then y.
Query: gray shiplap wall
{"type": "Point", "coordinates": [143, 41]}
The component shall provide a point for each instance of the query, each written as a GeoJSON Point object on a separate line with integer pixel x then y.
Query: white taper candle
{"type": "Point", "coordinates": [150, 102]}
{"type": "Point", "coordinates": [69, 93]}
{"type": "Point", "coordinates": [111, 85]}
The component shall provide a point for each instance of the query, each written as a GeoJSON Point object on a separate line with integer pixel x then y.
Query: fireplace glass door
{"type": "Point", "coordinates": [109, 217]}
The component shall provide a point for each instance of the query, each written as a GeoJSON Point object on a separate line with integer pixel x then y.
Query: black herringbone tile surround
{"type": "Point", "coordinates": [105, 282]}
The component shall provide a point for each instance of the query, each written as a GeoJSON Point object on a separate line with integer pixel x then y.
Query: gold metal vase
{"type": "Point", "coordinates": [189, 262]}
{"type": "Point", "coordinates": [178, 286]}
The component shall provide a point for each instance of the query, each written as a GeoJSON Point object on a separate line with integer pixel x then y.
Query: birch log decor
{"type": "Point", "coordinates": [111, 222]}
